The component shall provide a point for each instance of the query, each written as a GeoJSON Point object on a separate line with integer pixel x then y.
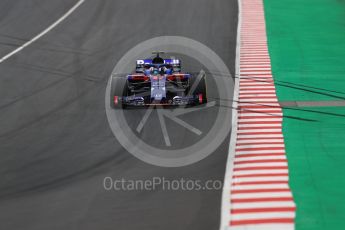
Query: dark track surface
{"type": "Point", "coordinates": [55, 143]}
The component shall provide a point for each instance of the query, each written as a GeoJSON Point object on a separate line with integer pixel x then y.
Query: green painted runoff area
{"type": "Point", "coordinates": [306, 40]}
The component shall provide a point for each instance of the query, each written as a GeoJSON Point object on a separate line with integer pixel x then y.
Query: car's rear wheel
{"type": "Point", "coordinates": [200, 90]}
{"type": "Point", "coordinates": [119, 89]}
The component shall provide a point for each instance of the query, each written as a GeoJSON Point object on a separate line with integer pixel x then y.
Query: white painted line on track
{"type": "Point", "coordinates": [261, 114]}
{"type": "Point", "coordinates": [240, 166]}
{"type": "Point", "coordinates": [261, 195]}
{"type": "Point", "coordinates": [278, 157]}
{"type": "Point", "coordinates": [52, 26]}
{"type": "Point", "coordinates": [239, 152]}
{"type": "Point", "coordinates": [251, 69]}
{"type": "Point", "coordinates": [226, 205]}
{"type": "Point", "coordinates": [257, 99]}
{"type": "Point", "coordinates": [264, 215]}
{"type": "Point", "coordinates": [271, 119]}
{"type": "Point", "coordinates": [261, 227]}
{"type": "Point", "coordinates": [255, 145]}
{"type": "Point", "coordinates": [260, 186]}
{"type": "Point", "coordinates": [271, 204]}
{"type": "Point", "coordinates": [259, 141]}
{"type": "Point", "coordinates": [274, 174]}
{"type": "Point", "coordinates": [257, 178]}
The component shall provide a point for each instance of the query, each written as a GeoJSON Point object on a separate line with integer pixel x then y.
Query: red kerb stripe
{"type": "Point", "coordinates": [260, 168]}
{"type": "Point", "coordinates": [262, 175]}
{"type": "Point", "coordinates": [262, 221]}
{"type": "Point", "coordinates": [260, 190]}
{"type": "Point", "coordinates": [251, 210]}
{"type": "Point", "coordinates": [273, 199]}
{"type": "Point", "coordinates": [261, 161]}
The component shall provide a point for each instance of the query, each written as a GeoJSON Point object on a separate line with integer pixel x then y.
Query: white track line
{"type": "Point", "coordinates": [239, 153]}
{"type": "Point", "coordinates": [260, 186]}
{"type": "Point", "coordinates": [255, 145]}
{"type": "Point", "coordinates": [261, 195]}
{"type": "Point", "coordinates": [254, 165]}
{"type": "Point", "coordinates": [265, 215]}
{"type": "Point", "coordinates": [272, 172]}
{"type": "Point", "coordinates": [226, 205]}
{"type": "Point", "coordinates": [258, 178]}
{"type": "Point", "coordinates": [43, 32]}
{"type": "Point", "coordinates": [259, 140]}
{"type": "Point", "coordinates": [243, 159]}
{"type": "Point", "coordinates": [262, 227]}
{"type": "Point", "coordinates": [266, 204]}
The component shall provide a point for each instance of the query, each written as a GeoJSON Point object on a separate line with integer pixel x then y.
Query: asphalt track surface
{"type": "Point", "coordinates": [56, 146]}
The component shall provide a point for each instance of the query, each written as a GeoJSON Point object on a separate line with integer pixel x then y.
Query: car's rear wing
{"type": "Point", "coordinates": [141, 63]}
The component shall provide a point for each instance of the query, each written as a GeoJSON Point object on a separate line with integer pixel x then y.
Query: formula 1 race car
{"type": "Point", "coordinates": [158, 81]}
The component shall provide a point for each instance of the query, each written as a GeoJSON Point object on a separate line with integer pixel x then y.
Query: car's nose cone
{"type": "Point", "coordinates": [158, 91]}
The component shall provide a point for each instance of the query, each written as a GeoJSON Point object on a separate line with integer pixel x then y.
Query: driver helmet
{"type": "Point", "coordinates": [154, 71]}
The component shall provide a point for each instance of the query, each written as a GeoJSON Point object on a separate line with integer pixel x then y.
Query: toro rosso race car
{"type": "Point", "coordinates": [158, 81]}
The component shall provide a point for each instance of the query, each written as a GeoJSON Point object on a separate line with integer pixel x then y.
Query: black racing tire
{"type": "Point", "coordinates": [119, 87]}
{"type": "Point", "coordinates": [201, 89]}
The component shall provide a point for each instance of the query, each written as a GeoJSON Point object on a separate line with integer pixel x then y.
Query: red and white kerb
{"type": "Point", "coordinates": [260, 197]}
